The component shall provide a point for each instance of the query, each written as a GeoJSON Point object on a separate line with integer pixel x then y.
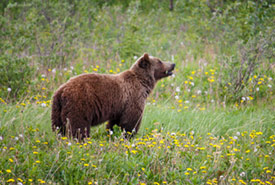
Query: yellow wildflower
{"type": "Point", "coordinates": [11, 180]}
{"type": "Point", "coordinates": [133, 151]}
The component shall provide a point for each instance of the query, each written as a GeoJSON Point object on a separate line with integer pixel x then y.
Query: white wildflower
{"type": "Point", "coordinates": [173, 58]}
{"type": "Point", "coordinates": [188, 90]}
{"type": "Point", "coordinates": [20, 135]}
{"type": "Point", "coordinates": [69, 144]}
{"type": "Point", "coordinates": [269, 78]}
{"type": "Point", "coordinates": [135, 57]}
{"type": "Point", "coordinates": [212, 101]}
{"type": "Point", "coordinates": [9, 89]}
{"type": "Point", "coordinates": [43, 104]}
{"type": "Point", "coordinates": [172, 84]}
{"type": "Point", "coordinates": [72, 67]}
{"type": "Point", "coordinates": [243, 98]}
{"type": "Point", "coordinates": [242, 174]}
{"type": "Point", "coordinates": [1, 138]}
{"type": "Point", "coordinates": [176, 97]}
{"type": "Point", "coordinates": [257, 89]}
{"type": "Point", "coordinates": [43, 76]}
{"type": "Point", "coordinates": [16, 138]}
{"type": "Point", "coordinates": [206, 92]}
{"type": "Point", "coordinates": [54, 70]}
{"type": "Point", "coordinates": [192, 132]}
{"type": "Point", "coordinates": [178, 89]}
{"type": "Point", "coordinates": [111, 132]}
{"type": "Point", "coordinates": [173, 75]}
{"type": "Point", "coordinates": [235, 137]}
{"type": "Point", "coordinates": [199, 92]}
{"type": "Point", "coordinates": [187, 101]}
{"type": "Point", "coordinates": [65, 69]}
{"type": "Point", "coordinates": [192, 83]}
{"type": "Point", "coordinates": [173, 134]}
{"type": "Point", "coordinates": [269, 85]}
{"type": "Point", "coordinates": [238, 133]}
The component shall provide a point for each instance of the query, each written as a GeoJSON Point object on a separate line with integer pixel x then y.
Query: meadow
{"type": "Point", "coordinates": [212, 122]}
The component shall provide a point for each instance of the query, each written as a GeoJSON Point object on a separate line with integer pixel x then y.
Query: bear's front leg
{"type": "Point", "coordinates": [130, 122]}
{"type": "Point", "coordinates": [110, 125]}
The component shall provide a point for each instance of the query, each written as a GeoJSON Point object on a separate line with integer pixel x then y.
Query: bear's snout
{"type": "Point", "coordinates": [173, 66]}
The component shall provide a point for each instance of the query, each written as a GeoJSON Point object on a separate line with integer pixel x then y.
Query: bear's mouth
{"type": "Point", "coordinates": [170, 71]}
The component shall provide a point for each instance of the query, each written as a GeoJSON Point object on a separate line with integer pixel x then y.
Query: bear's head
{"type": "Point", "coordinates": [154, 67]}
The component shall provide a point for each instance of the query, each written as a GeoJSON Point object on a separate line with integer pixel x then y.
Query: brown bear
{"type": "Point", "coordinates": [91, 99]}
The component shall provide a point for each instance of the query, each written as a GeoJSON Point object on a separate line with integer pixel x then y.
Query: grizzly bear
{"type": "Point", "coordinates": [91, 99]}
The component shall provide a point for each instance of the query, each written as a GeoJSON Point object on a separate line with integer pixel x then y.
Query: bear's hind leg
{"type": "Point", "coordinates": [77, 127]}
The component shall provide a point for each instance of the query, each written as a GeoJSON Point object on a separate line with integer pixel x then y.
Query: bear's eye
{"type": "Point", "coordinates": [160, 62]}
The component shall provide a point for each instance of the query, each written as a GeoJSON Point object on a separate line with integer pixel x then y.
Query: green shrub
{"type": "Point", "coordinates": [245, 73]}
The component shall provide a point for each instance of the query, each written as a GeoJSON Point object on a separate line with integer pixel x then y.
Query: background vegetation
{"type": "Point", "coordinates": [212, 122]}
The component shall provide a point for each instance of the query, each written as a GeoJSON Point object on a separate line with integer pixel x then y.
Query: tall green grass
{"type": "Point", "coordinates": [218, 121]}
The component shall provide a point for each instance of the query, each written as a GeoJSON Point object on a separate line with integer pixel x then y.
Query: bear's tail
{"type": "Point", "coordinates": [56, 115]}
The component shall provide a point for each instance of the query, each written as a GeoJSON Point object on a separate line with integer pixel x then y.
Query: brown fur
{"type": "Point", "coordinates": [91, 99]}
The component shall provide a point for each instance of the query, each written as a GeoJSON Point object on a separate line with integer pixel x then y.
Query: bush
{"type": "Point", "coordinates": [245, 72]}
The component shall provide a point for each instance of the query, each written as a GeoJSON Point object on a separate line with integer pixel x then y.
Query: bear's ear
{"type": "Point", "coordinates": [146, 56]}
{"type": "Point", "coordinates": [144, 61]}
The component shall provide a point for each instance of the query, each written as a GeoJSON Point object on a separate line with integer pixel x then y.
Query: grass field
{"type": "Point", "coordinates": [210, 146]}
